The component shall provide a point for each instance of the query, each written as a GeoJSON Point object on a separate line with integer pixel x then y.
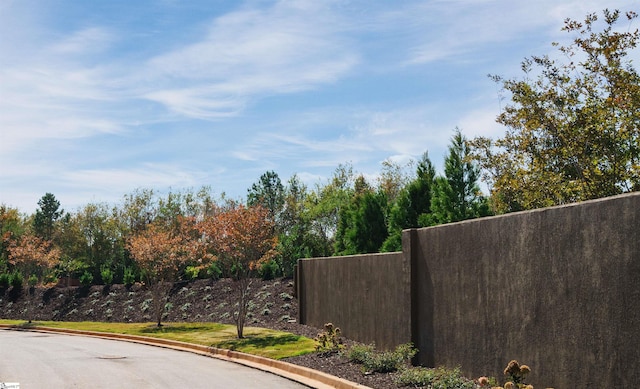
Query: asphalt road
{"type": "Point", "coordinates": [45, 360]}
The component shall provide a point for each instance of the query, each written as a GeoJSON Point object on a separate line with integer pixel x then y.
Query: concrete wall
{"type": "Point", "coordinates": [556, 288]}
{"type": "Point", "coordinates": [366, 296]}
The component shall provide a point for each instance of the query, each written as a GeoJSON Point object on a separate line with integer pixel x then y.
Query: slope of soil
{"type": "Point", "coordinates": [273, 306]}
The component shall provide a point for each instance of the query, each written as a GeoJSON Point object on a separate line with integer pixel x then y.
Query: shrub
{"type": "Point", "coordinates": [360, 353]}
{"type": "Point", "coordinates": [269, 270]}
{"type": "Point", "coordinates": [515, 374]}
{"type": "Point", "coordinates": [450, 379]}
{"type": "Point", "coordinates": [416, 377]}
{"type": "Point", "coordinates": [33, 280]}
{"type": "Point", "coordinates": [16, 280]}
{"type": "Point", "coordinates": [329, 341]}
{"type": "Point", "coordinates": [129, 276]}
{"type": "Point", "coordinates": [86, 278]}
{"type": "Point", "coordinates": [214, 270]}
{"type": "Point", "coordinates": [439, 378]}
{"type": "Point", "coordinates": [107, 275]}
{"type": "Point", "coordinates": [381, 362]}
{"type": "Point", "coordinates": [5, 280]}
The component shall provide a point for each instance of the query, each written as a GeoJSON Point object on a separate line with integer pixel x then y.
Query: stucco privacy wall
{"type": "Point", "coordinates": [366, 296]}
{"type": "Point", "coordinates": [556, 288]}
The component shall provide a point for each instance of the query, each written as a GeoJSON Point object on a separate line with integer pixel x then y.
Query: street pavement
{"type": "Point", "coordinates": [51, 361]}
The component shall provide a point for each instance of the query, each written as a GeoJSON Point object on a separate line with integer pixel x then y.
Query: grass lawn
{"type": "Point", "coordinates": [257, 341]}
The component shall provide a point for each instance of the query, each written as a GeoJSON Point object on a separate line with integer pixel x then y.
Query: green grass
{"type": "Point", "coordinates": [257, 341]}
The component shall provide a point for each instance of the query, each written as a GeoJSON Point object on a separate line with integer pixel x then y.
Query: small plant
{"type": "Point", "coordinates": [416, 377]}
{"type": "Point", "coordinates": [107, 275]}
{"type": "Point", "coordinates": [33, 280]}
{"type": "Point", "coordinates": [438, 378]}
{"type": "Point", "coordinates": [389, 361]}
{"type": "Point", "coordinates": [329, 341]}
{"type": "Point", "coordinates": [381, 362]}
{"type": "Point", "coordinates": [145, 305]}
{"type": "Point", "coordinates": [266, 312]}
{"type": "Point", "coordinates": [360, 353]}
{"type": "Point", "coordinates": [16, 280]}
{"type": "Point", "coordinates": [185, 307]}
{"type": "Point", "coordinates": [129, 276]}
{"type": "Point", "coordinates": [285, 318]}
{"type": "Point", "coordinates": [4, 280]}
{"type": "Point", "coordinates": [286, 296]}
{"type": "Point", "coordinates": [515, 374]}
{"type": "Point", "coordinates": [86, 278]}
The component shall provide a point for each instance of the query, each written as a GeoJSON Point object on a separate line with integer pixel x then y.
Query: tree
{"type": "Point", "coordinates": [393, 178]}
{"type": "Point", "coordinates": [159, 253]}
{"type": "Point", "coordinates": [573, 127]}
{"type": "Point", "coordinates": [412, 205]}
{"type": "Point", "coordinates": [46, 216]}
{"type": "Point", "coordinates": [297, 238]}
{"type": "Point", "coordinates": [362, 225]}
{"type": "Point", "coordinates": [240, 239]}
{"type": "Point", "coordinates": [269, 193]}
{"type": "Point", "coordinates": [325, 204]}
{"type": "Point", "coordinates": [33, 257]}
{"type": "Point", "coordinates": [457, 196]}
{"type": "Point", "coordinates": [11, 228]}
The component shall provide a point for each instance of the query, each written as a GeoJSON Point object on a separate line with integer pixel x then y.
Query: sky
{"type": "Point", "coordinates": [100, 98]}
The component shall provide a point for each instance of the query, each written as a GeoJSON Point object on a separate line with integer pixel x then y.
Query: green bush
{"type": "Point", "coordinates": [269, 270]}
{"type": "Point", "coordinates": [5, 280]}
{"type": "Point", "coordinates": [16, 280]}
{"type": "Point", "coordinates": [381, 362]}
{"type": "Point", "coordinates": [86, 278]}
{"type": "Point", "coordinates": [107, 275]}
{"type": "Point", "coordinates": [390, 361]}
{"type": "Point", "coordinates": [416, 377]}
{"type": "Point", "coordinates": [192, 272]}
{"type": "Point", "coordinates": [214, 271]}
{"type": "Point", "coordinates": [32, 280]}
{"type": "Point", "coordinates": [129, 276]}
{"type": "Point", "coordinates": [439, 378]}
{"type": "Point", "coordinates": [360, 353]}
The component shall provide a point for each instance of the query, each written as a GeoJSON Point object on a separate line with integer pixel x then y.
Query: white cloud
{"type": "Point", "coordinates": [248, 54]}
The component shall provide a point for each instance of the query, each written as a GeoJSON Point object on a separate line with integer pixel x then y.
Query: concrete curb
{"type": "Point", "coordinates": [309, 377]}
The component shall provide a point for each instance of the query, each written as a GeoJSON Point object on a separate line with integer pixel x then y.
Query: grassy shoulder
{"type": "Point", "coordinates": [257, 341]}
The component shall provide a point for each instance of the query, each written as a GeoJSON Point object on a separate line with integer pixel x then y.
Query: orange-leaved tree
{"type": "Point", "coordinates": [159, 253]}
{"type": "Point", "coordinates": [33, 257]}
{"type": "Point", "coordinates": [239, 238]}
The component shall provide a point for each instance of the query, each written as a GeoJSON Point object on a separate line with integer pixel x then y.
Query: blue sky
{"type": "Point", "coordinates": [98, 98]}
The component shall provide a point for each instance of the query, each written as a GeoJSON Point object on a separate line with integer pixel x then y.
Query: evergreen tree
{"type": "Point", "coordinates": [457, 196]}
{"type": "Point", "coordinates": [46, 216]}
{"type": "Point", "coordinates": [413, 203]}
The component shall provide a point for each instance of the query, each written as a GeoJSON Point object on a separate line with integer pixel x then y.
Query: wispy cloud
{"type": "Point", "coordinates": [248, 54]}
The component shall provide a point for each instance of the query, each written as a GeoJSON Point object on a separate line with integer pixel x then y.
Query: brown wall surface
{"type": "Point", "coordinates": [366, 296]}
{"type": "Point", "coordinates": [556, 288]}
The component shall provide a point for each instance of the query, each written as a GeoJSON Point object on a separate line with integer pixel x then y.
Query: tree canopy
{"type": "Point", "coordinates": [573, 125]}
